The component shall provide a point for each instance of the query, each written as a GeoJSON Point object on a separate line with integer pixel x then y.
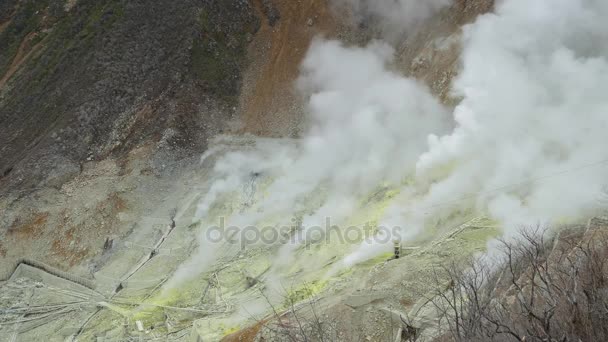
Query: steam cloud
{"type": "Point", "coordinates": [532, 105]}
{"type": "Point", "coordinates": [536, 109]}
{"type": "Point", "coordinates": [533, 108]}
{"type": "Point", "coordinates": [363, 133]}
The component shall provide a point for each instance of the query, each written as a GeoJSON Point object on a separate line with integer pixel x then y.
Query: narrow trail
{"type": "Point", "coordinates": [143, 261]}
{"type": "Point", "coordinates": [88, 283]}
{"type": "Point", "coordinates": [49, 313]}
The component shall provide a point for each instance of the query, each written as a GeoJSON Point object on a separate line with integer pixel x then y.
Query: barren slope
{"type": "Point", "coordinates": [105, 109]}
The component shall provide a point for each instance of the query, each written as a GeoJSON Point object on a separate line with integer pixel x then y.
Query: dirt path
{"type": "Point", "coordinates": [20, 57]}
{"type": "Point", "coordinates": [143, 261]}
{"type": "Point", "coordinates": [4, 25]}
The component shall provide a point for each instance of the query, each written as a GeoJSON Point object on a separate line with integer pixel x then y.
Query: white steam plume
{"type": "Point", "coordinates": [534, 108]}
{"type": "Point", "coordinates": [368, 124]}
{"type": "Point", "coordinates": [533, 105]}
{"type": "Point", "coordinates": [364, 118]}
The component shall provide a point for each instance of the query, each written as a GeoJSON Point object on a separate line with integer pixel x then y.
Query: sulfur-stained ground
{"type": "Point", "coordinates": [240, 288]}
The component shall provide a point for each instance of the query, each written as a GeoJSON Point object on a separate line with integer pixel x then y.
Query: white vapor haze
{"type": "Point", "coordinates": [524, 145]}
{"type": "Point", "coordinates": [367, 125]}
{"type": "Point", "coordinates": [530, 144]}
{"type": "Point", "coordinates": [533, 105]}
{"type": "Point", "coordinates": [363, 117]}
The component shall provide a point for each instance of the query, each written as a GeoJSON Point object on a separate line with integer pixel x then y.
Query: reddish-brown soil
{"type": "Point", "coordinates": [245, 335]}
{"type": "Point", "coordinates": [32, 228]}
{"type": "Point", "coordinates": [58, 239]}
{"type": "Point", "coordinates": [269, 104]}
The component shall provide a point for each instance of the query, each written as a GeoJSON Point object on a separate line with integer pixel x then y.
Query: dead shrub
{"type": "Point", "coordinates": [543, 289]}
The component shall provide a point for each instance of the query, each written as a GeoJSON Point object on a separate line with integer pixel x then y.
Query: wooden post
{"type": "Point", "coordinates": [397, 248]}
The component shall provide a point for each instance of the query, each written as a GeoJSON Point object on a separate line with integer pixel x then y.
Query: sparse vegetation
{"type": "Point", "coordinates": [27, 19]}
{"type": "Point", "coordinates": [543, 289]}
{"type": "Point", "coordinates": [218, 53]}
{"type": "Point", "coordinates": [299, 320]}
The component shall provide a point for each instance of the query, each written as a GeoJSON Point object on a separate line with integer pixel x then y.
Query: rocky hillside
{"type": "Point", "coordinates": [85, 80]}
{"type": "Point", "coordinates": [101, 103]}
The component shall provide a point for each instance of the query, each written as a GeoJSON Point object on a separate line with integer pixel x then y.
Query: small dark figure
{"type": "Point", "coordinates": [108, 244]}
{"type": "Point", "coordinates": [397, 249]}
{"type": "Point", "coordinates": [251, 281]}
